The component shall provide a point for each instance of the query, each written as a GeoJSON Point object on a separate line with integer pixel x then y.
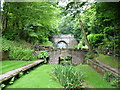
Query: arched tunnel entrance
{"type": "Point", "coordinates": [62, 44]}
{"type": "Point", "coordinates": [64, 41]}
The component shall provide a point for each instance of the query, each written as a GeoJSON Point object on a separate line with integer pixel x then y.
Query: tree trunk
{"type": "Point", "coordinates": [85, 37]}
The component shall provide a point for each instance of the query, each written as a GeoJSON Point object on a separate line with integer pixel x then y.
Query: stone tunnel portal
{"type": "Point", "coordinates": [67, 40]}
{"type": "Point", "coordinates": [62, 44]}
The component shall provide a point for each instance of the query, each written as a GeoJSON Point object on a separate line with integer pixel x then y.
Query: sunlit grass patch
{"type": "Point", "coordinates": [92, 78]}
{"type": "Point", "coordinates": [38, 78]}
{"type": "Point", "coordinates": [108, 60]}
{"type": "Point", "coordinates": [7, 66]}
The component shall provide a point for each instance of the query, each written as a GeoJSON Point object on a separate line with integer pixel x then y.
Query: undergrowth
{"type": "Point", "coordinates": [17, 50]}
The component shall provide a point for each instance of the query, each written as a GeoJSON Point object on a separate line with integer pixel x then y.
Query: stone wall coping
{"type": "Point", "coordinates": [105, 66]}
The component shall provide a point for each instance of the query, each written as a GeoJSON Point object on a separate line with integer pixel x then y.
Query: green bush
{"type": "Point", "coordinates": [17, 50]}
{"type": "Point", "coordinates": [43, 55]}
{"type": "Point", "coordinates": [89, 56]}
{"type": "Point", "coordinates": [6, 44]}
{"type": "Point", "coordinates": [68, 76]}
{"type": "Point", "coordinates": [21, 53]}
{"type": "Point", "coordinates": [95, 39]}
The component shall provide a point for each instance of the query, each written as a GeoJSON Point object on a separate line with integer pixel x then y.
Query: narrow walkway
{"type": "Point", "coordinates": [6, 76]}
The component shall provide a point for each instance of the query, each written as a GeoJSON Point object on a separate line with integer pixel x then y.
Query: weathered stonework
{"type": "Point", "coordinates": [67, 38]}
{"type": "Point", "coordinates": [77, 56]}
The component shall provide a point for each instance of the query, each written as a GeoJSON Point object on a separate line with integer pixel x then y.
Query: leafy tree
{"type": "Point", "coordinates": [103, 18]}
{"type": "Point", "coordinates": [74, 9]}
{"type": "Point", "coordinates": [31, 21]}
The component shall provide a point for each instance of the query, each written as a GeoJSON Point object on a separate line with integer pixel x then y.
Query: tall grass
{"type": "Point", "coordinates": [68, 76]}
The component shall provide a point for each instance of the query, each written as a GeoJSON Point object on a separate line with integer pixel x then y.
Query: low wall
{"type": "Point", "coordinates": [78, 56]}
{"type": "Point", "coordinates": [102, 68]}
{"type": "Point", "coordinates": [10, 74]}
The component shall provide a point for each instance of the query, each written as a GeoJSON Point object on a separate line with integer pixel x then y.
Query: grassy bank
{"type": "Point", "coordinates": [108, 60]}
{"type": "Point", "coordinates": [11, 65]}
{"type": "Point", "coordinates": [92, 78]}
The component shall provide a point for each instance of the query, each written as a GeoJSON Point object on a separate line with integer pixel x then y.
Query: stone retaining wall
{"type": "Point", "coordinates": [102, 68]}
{"type": "Point", "coordinates": [77, 55]}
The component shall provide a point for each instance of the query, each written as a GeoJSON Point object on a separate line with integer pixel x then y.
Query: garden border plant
{"type": "Point", "coordinates": [68, 76]}
{"type": "Point", "coordinates": [43, 55]}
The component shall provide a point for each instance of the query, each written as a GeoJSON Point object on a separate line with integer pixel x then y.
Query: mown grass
{"type": "Point", "coordinates": [92, 78]}
{"type": "Point", "coordinates": [108, 60]}
{"type": "Point", "coordinates": [39, 78]}
{"type": "Point", "coordinates": [11, 65]}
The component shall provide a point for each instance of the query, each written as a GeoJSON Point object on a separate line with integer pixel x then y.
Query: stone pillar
{"type": "Point", "coordinates": [77, 57]}
{"type": "Point", "coordinates": [54, 57]}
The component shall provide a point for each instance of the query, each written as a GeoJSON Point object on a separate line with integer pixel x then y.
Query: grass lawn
{"type": "Point", "coordinates": [108, 60]}
{"type": "Point", "coordinates": [92, 78]}
{"type": "Point", "coordinates": [6, 66]}
{"type": "Point", "coordinates": [40, 78]}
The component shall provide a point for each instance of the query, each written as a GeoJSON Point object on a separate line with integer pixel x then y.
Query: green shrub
{"type": "Point", "coordinates": [68, 76]}
{"type": "Point", "coordinates": [21, 53]}
{"type": "Point", "coordinates": [43, 55]}
{"type": "Point", "coordinates": [89, 56]}
{"type": "Point", "coordinates": [95, 39]}
{"type": "Point", "coordinates": [6, 44]}
{"type": "Point", "coordinates": [17, 50]}
{"type": "Point", "coordinates": [80, 45]}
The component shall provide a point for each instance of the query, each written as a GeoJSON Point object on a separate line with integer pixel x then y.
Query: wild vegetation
{"type": "Point", "coordinates": [29, 21]}
{"type": "Point", "coordinates": [100, 21]}
{"type": "Point", "coordinates": [17, 51]}
{"type": "Point", "coordinates": [94, 25]}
